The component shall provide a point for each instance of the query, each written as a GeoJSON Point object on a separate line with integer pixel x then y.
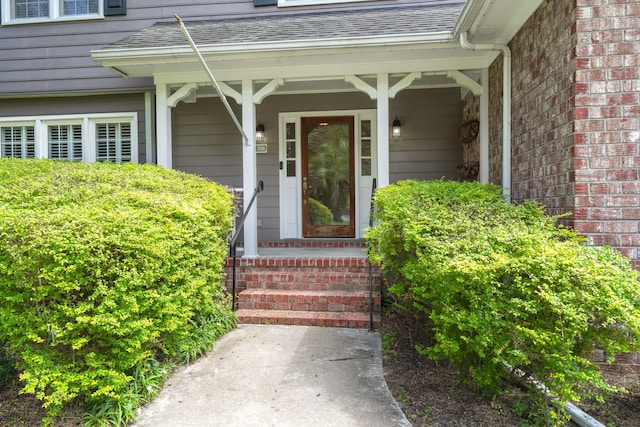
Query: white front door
{"type": "Point", "coordinates": [296, 176]}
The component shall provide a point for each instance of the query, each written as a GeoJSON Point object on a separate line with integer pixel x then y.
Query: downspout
{"type": "Point", "coordinates": [506, 106]}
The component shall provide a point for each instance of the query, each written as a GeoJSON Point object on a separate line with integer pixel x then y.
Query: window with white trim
{"type": "Point", "coordinates": [33, 11]}
{"type": "Point", "coordinates": [113, 142]}
{"type": "Point", "coordinates": [65, 142]}
{"type": "Point", "coordinates": [88, 138]}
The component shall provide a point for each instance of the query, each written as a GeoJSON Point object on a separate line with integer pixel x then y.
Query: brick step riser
{"type": "Point", "coordinates": [285, 286]}
{"type": "Point", "coordinates": [342, 322]}
{"type": "Point", "coordinates": [316, 282]}
{"type": "Point", "coordinates": [355, 304]}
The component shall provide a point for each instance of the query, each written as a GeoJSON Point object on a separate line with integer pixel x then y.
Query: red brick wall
{"type": "Point", "coordinates": [607, 128]}
{"type": "Point", "coordinates": [575, 117]}
{"type": "Point", "coordinates": [543, 67]}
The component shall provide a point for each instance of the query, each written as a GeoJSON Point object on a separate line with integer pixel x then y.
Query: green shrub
{"type": "Point", "coordinates": [319, 214]}
{"type": "Point", "coordinates": [7, 367]}
{"type": "Point", "coordinates": [106, 266]}
{"type": "Point", "coordinates": [502, 283]}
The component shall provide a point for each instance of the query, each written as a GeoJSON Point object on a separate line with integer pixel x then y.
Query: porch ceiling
{"type": "Point", "coordinates": [320, 45]}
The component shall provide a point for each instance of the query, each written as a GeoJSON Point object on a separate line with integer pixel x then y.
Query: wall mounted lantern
{"type": "Point", "coordinates": [260, 133]}
{"type": "Point", "coordinates": [396, 129]}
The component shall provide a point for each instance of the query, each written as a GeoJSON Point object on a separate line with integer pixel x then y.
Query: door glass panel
{"type": "Point", "coordinates": [291, 168]}
{"type": "Point", "coordinates": [329, 174]}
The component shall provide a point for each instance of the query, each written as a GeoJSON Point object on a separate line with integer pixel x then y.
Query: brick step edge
{"type": "Point", "coordinates": [276, 299]}
{"type": "Point", "coordinates": [310, 281]}
{"type": "Point", "coordinates": [307, 318]}
{"type": "Point", "coordinates": [300, 262]}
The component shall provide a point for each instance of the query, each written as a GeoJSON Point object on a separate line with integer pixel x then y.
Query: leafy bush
{"type": "Point", "coordinates": [7, 367]}
{"type": "Point", "coordinates": [502, 283]}
{"type": "Point", "coordinates": [319, 214]}
{"type": "Point", "coordinates": [104, 266]}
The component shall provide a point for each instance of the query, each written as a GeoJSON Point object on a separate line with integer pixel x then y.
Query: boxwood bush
{"type": "Point", "coordinates": [104, 267]}
{"type": "Point", "coordinates": [502, 284]}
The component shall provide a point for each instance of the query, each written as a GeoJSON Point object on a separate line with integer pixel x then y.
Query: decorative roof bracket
{"type": "Point", "coordinates": [267, 90]}
{"type": "Point", "coordinates": [466, 82]}
{"type": "Point", "coordinates": [362, 85]}
{"type": "Point", "coordinates": [404, 83]}
{"type": "Point", "coordinates": [186, 93]}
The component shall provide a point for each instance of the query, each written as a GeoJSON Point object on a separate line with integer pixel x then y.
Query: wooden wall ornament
{"type": "Point", "coordinates": [468, 131]}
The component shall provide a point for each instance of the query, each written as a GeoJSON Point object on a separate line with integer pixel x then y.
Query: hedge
{"type": "Point", "coordinates": [103, 267]}
{"type": "Point", "coordinates": [501, 283]}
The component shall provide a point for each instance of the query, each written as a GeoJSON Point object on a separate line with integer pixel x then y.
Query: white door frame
{"type": "Point", "coordinates": [291, 187]}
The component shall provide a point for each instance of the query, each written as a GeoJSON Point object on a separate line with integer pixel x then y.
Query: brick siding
{"type": "Point", "coordinates": [575, 121]}
{"type": "Point", "coordinates": [576, 117]}
{"type": "Point", "coordinates": [607, 123]}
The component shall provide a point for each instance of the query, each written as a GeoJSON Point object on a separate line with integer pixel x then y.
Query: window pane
{"type": "Point", "coordinates": [366, 167]}
{"type": "Point", "coordinates": [365, 128]}
{"type": "Point", "coordinates": [79, 7]}
{"type": "Point", "coordinates": [113, 142]}
{"type": "Point", "coordinates": [291, 168]}
{"type": "Point", "coordinates": [65, 142]}
{"type": "Point", "coordinates": [291, 149]}
{"type": "Point", "coordinates": [366, 148]}
{"type": "Point", "coordinates": [17, 141]}
{"type": "Point", "coordinates": [291, 130]}
{"type": "Point", "coordinates": [31, 9]}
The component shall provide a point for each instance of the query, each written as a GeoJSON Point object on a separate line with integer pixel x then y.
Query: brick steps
{"type": "Point", "coordinates": [306, 318]}
{"type": "Point", "coordinates": [317, 283]}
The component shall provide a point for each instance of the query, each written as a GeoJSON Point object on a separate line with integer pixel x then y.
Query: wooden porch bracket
{"type": "Point", "coordinates": [404, 83]}
{"type": "Point", "coordinates": [267, 90]}
{"type": "Point", "coordinates": [186, 93]}
{"type": "Point", "coordinates": [466, 82]}
{"type": "Point", "coordinates": [229, 91]}
{"type": "Point", "coordinates": [362, 85]}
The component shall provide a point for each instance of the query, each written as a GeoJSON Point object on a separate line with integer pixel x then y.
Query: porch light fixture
{"type": "Point", "coordinates": [396, 130]}
{"type": "Point", "coordinates": [260, 133]}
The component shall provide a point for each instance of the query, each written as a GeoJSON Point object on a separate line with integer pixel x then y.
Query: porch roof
{"type": "Point", "coordinates": [321, 26]}
{"type": "Point", "coordinates": [306, 45]}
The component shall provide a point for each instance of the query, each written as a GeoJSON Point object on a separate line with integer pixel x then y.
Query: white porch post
{"type": "Point", "coordinates": [383, 129]}
{"type": "Point", "coordinates": [484, 128]}
{"type": "Point", "coordinates": [249, 169]}
{"type": "Point", "coordinates": [163, 126]}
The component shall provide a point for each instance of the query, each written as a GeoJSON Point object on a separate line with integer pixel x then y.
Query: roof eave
{"type": "Point", "coordinates": [105, 56]}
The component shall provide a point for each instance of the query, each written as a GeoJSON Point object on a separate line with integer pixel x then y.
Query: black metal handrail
{"type": "Point", "coordinates": [374, 187]}
{"type": "Point", "coordinates": [234, 242]}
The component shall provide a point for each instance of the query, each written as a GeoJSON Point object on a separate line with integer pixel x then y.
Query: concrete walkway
{"type": "Point", "coordinates": [264, 375]}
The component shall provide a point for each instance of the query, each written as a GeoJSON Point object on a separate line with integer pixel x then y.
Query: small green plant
{"type": "Point", "coordinates": [426, 413]}
{"type": "Point", "coordinates": [534, 409]}
{"type": "Point", "coordinates": [402, 396]}
{"type": "Point", "coordinates": [389, 342]}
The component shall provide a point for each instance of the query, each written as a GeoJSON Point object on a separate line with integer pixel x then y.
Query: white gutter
{"type": "Point", "coordinates": [506, 107]}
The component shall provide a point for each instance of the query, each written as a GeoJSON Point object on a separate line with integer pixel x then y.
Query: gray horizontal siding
{"type": "Point", "coordinates": [55, 58]}
{"type": "Point", "coordinates": [429, 148]}
{"type": "Point", "coordinates": [205, 141]}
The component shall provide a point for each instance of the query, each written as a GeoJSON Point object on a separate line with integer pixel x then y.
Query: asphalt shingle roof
{"type": "Point", "coordinates": [424, 19]}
